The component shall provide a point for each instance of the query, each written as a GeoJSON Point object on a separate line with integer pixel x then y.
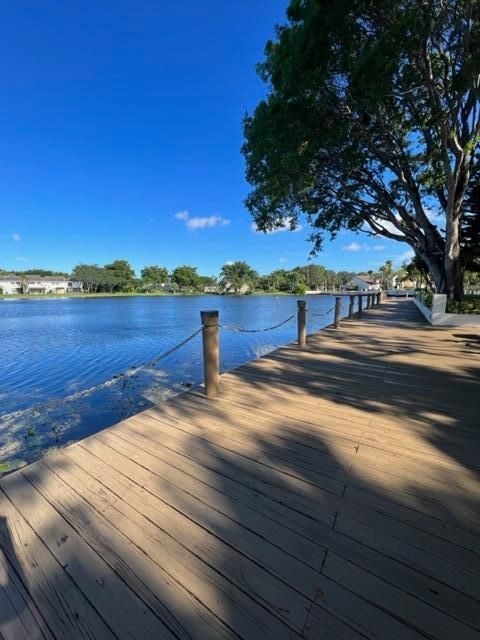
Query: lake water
{"type": "Point", "coordinates": [57, 354]}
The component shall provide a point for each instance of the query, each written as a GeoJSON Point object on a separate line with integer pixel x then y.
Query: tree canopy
{"type": "Point", "coordinates": [237, 275]}
{"type": "Point", "coordinates": [122, 275]}
{"type": "Point", "coordinates": [185, 277]}
{"type": "Point", "coordinates": [154, 277]}
{"type": "Point", "coordinates": [371, 123]}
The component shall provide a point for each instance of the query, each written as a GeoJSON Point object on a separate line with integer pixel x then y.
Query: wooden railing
{"type": "Point", "coordinates": [211, 326]}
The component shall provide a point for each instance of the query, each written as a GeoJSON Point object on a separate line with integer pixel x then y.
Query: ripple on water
{"type": "Point", "coordinates": [52, 349]}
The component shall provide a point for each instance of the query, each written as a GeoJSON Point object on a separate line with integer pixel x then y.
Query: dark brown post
{"type": "Point", "coordinates": [211, 357]}
{"type": "Point", "coordinates": [379, 298]}
{"type": "Point", "coordinates": [338, 312]}
{"type": "Point", "coordinates": [367, 306]}
{"type": "Point", "coordinates": [360, 311]}
{"type": "Point", "coordinates": [302, 323]}
{"type": "Point", "coordinates": [351, 308]}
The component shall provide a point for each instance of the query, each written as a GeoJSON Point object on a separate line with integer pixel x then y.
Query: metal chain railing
{"type": "Point", "coordinates": [231, 327]}
{"type": "Point", "coordinates": [134, 370]}
{"type": "Point", "coordinates": [321, 314]}
{"type": "Point", "coordinates": [127, 374]}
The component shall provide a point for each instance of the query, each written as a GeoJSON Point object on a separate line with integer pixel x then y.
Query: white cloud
{"type": "Point", "coordinates": [22, 259]}
{"type": "Point", "coordinates": [355, 246]}
{"type": "Point", "coordinates": [16, 237]}
{"type": "Point", "coordinates": [285, 226]}
{"type": "Point", "coordinates": [229, 262]}
{"type": "Point", "coordinates": [282, 259]}
{"type": "Point", "coordinates": [201, 222]}
{"type": "Point", "coordinates": [206, 222]}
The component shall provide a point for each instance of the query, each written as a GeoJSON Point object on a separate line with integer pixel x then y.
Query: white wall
{"type": "Point", "coordinates": [11, 287]}
{"type": "Point", "coordinates": [438, 317]}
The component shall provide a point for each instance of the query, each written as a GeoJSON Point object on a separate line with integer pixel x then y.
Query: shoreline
{"type": "Point", "coordinates": [126, 294]}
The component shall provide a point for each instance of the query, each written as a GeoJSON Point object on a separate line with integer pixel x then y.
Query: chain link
{"type": "Point", "coordinates": [323, 314]}
{"type": "Point", "coordinates": [134, 370]}
{"type": "Point", "coordinates": [231, 327]}
{"type": "Point", "coordinates": [129, 373]}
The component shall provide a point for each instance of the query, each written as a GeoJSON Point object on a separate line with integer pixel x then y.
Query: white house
{"type": "Point", "coordinates": [11, 284]}
{"type": "Point", "coordinates": [51, 284]}
{"type": "Point", "coordinates": [363, 282]}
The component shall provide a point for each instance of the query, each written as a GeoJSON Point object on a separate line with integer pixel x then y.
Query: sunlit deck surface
{"type": "Point", "coordinates": [329, 493]}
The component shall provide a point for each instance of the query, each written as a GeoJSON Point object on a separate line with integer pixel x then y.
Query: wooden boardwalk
{"type": "Point", "coordinates": [329, 493]}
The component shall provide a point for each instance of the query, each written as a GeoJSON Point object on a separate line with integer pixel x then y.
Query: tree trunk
{"type": "Point", "coordinates": [435, 268]}
{"type": "Point", "coordinates": [454, 274]}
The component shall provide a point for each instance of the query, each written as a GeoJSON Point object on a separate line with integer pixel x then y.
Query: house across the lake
{"type": "Point", "coordinates": [11, 284]}
{"type": "Point", "coordinates": [364, 282]}
{"type": "Point", "coordinates": [38, 285]}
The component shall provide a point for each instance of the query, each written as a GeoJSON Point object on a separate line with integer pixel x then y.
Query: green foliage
{"type": "Point", "coordinates": [313, 276]}
{"type": "Point", "coordinates": [154, 277]}
{"type": "Point", "coordinates": [470, 304]}
{"type": "Point", "coordinates": [237, 276]}
{"type": "Point", "coordinates": [372, 120]}
{"type": "Point", "coordinates": [387, 273]}
{"type": "Point", "coordinates": [122, 274]}
{"type": "Point", "coordinates": [40, 272]}
{"type": "Point", "coordinates": [186, 278]}
{"type": "Point", "coordinates": [426, 298]}
{"type": "Point", "coordinates": [115, 277]}
{"type": "Point", "coordinates": [95, 279]}
{"type": "Point", "coordinates": [300, 289]}
{"type": "Point", "coordinates": [471, 230]}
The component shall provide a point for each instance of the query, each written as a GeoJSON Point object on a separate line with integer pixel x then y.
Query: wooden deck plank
{"type": "Point", "coordinates": [121, 608]}
{"type": "Point", "coordinates": [416, 518]}
{"type": "Point", "coordinates": [57, 597]}
{"type": "Point", "coordinates": [143, 544]}
{"type": "Point", "coordinates": [19, 614]}
{"type": "Point", "coordinates": [236, 557]}
{"type": "Point", "coordinates": [331, 492]}
{"type": "Point", "coordinates": [439, 595]}
{"type": "Point", "coordinates": [210, 416]}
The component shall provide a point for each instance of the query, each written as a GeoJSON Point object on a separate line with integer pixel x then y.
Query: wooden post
{"type": "Point", "coordinates": [360, 311]}
{"type": "Point", "coordinates": [351, 308]}
{"type": "Point", "coordinates": [211, 357]}
{"type": "Point", "coordinates": [379, 298]}
{"type": "Point", "coordinates": [367, 306]}
{"type": "Point", "coordinates": [302, 323]}
{"type": "Point", "coordinates": [338, 311]}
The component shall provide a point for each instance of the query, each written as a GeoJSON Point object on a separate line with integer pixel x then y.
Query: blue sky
{"type": "Point", "coordinates": [121, 135]}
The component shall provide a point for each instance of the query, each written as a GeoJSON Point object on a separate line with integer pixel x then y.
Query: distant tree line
{"type": "Point", "coordinates": [234, 278]}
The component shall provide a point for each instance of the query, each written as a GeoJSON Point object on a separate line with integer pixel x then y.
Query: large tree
{"type": "Point", "coordinates": [186, 277]}
{"type": "Point", "coordinates": [154, 277]}
{"type": "Point", "coordinates": [371, 123]}
{"type": "Point", "coordinates": [236, 276]}
{"type": "Point", "coordinates": [471, 230]}
{"type": "Point", "coordinates": [122, 274]}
